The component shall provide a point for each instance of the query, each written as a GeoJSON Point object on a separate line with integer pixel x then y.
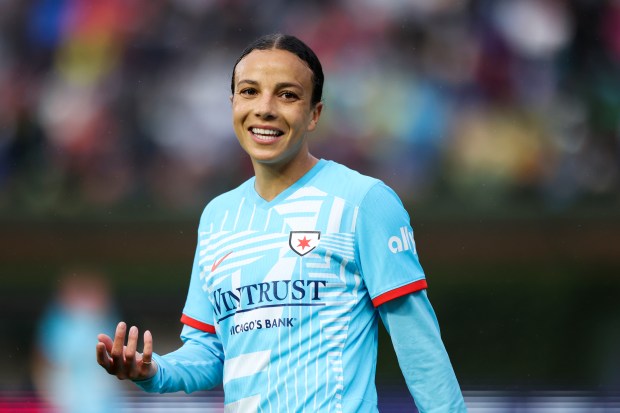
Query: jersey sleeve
{"type": "Point", "coordinates": [198, 311]}
{"type": "Point", "coordinates": [422, 356]}
{"type": "Point", "coordinates": [197, 365]}
{"type": "Point", "coordinates": [386, 249]}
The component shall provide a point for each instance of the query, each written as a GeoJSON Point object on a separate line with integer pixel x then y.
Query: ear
{"type": "Point", "coordinates": [316, 114]}
{"type": "Point", "coordinates": [231, 99]}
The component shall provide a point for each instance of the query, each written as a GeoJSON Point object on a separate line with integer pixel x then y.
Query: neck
{"type": "Point", "coordinates": [271, 180]}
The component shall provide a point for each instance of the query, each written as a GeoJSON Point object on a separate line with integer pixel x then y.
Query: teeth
{"type": "Point", "coordinates": [268, 132]}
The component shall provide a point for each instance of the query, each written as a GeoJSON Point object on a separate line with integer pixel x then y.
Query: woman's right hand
{"type": "Point", "coordinates": [123, 361]}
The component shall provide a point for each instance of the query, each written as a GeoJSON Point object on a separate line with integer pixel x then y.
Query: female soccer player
{"type": "Point", "coordinates": [293, 268]}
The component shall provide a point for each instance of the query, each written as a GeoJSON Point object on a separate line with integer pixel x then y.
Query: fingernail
{"type": "Point", "coordinates": [133, 330]}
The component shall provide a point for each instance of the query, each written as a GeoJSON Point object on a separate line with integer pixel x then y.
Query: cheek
{"type": "Point", "coordinates": [238, 112]}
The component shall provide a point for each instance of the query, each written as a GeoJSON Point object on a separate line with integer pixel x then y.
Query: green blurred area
{"type": "Point", "coordinates": [523, 300]}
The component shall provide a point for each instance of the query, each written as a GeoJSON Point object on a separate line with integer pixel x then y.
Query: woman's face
{"type": "Point", "coordinates": [272, 108]}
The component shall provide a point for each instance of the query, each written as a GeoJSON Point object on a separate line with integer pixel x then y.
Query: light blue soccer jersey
{"type": "Point", "coordinates": [290, 288]}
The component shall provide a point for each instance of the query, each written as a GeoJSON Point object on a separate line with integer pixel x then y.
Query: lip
{"type": "Point", "coordinates": [264, 139]}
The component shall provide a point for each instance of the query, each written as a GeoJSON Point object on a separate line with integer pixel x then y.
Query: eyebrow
{"type": "Point", "coordinates": [280, 85]}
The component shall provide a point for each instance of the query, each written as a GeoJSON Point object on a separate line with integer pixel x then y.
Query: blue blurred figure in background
{"type": "Point", "coordinates": [82, 307]}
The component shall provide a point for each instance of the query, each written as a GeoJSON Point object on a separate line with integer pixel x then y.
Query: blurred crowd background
{"type": "Point", "coordinates": [118, 104]}
{"type": "Point", "coordinates": [496, 121]}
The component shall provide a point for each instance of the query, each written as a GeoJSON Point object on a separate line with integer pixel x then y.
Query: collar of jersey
{"type": "Point", "coordinates": [261, 202]}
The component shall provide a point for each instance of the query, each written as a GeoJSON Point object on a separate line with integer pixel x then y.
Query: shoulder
{"type": "Point", "coordinates": [363, 190]}
{"type": "Point", "coordinates": [224, 202]}
{"type": "Point", "coordinates": [347, 183]}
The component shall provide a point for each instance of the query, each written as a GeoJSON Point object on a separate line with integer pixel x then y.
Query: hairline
{"type": "Point", "coordinates": [275, 42]}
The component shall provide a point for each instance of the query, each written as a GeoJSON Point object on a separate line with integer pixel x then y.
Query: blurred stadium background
{"type": "Point", "coordinates": [497, 122]}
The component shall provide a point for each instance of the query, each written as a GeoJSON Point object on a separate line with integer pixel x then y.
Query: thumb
{"type": "Point", "coordinates": [106, 340]}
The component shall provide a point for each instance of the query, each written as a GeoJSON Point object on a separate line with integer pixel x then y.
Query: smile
{"type": "Point", "coordinates": [266, 135]}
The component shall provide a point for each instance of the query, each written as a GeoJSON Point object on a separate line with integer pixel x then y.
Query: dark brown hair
{"type": "Point", "coordinates": [298, 48]}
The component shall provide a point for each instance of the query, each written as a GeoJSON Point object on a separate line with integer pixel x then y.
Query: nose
{"type": "Point", "coordinates": [265, 107]}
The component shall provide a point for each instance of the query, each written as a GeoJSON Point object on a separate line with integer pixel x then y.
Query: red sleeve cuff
{"type": "Point", "coordinates": [199, 325]}
{"type": "Point", "coordinates": [399, 292]}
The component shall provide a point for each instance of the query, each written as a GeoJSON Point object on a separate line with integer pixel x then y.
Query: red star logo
{"type": "Point", "coordinates": [303, 243]}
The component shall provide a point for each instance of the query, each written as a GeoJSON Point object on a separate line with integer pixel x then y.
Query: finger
{"type": "Point", "coordinates": [106, 340]}
{"type": "Point", "coordinates": [119, 343]}
{"type": "Point", "coordinates": [148, 366]}
{"type": "Point", "coordinates": [102, 356]}
{"type": "Point", "coordinates": [147, 355]}
{"type": "Point", "coordinates": [132, 344]}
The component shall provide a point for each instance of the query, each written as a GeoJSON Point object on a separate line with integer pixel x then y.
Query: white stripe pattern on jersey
{"type": "Point", "coordinates": [299, 212]}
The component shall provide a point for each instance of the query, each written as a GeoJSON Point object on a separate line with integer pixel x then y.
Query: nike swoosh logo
{"type": "Point", "coordinates": [218, 262]}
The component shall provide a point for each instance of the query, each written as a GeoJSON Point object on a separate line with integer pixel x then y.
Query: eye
{"type": "Point", "coordinates": [248, 91]}
{"type": "Point", "coordinates": [288, 95]}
